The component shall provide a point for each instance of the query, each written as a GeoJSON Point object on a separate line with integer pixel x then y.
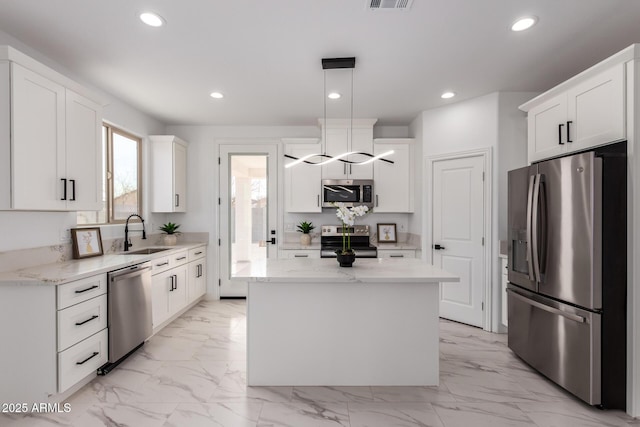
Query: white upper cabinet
{"type": "Point", "coordinates": [343, 136]}
{"type": "Point", "coordinates": [596, 110]}
{"type": "Point", "coordinates": [302, 182]}
{"type": "Point", "coordinates": [84, 152]}
{"type": "Point", "coordinates": [393, 183]}
{"type": "Point", "coordinates": [169, 165]}
{"type": "Point", "coordinates": [588, 111]}
{"type": "Point", "coordinates": [51, 140]}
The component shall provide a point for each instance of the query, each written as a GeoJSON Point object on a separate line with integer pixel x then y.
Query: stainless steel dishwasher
{"type": "Point", "coordinates": [129, 312]}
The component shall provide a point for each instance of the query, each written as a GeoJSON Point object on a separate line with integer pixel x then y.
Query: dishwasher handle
{"type": "Point", "coordinates": [135, 270]}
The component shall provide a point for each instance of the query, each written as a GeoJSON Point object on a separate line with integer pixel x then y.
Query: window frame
{"type": "Point", "coordinates": [111, 129]}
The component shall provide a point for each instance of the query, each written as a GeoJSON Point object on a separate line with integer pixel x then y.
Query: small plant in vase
{"type": "Point", "coordinates": [305, 228]}
{"type": "Point", "coordinates": [171, 231]}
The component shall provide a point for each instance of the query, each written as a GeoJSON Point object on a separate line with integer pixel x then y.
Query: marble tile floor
{"type": "Point", "coordinates": [192, 374]}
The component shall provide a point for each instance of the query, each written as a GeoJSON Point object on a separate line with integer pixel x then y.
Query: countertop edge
{"type": "Point", "coordinates": [60, 273]}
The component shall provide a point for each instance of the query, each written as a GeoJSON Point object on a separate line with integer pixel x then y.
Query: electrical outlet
{"type": "Point", "coordinates": [65, 235]}
{"type": "Point", "coordinates": [288, 227]}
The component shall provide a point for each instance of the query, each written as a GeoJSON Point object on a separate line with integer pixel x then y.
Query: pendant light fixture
{"type": "Point", "coordinates": [323, 158]}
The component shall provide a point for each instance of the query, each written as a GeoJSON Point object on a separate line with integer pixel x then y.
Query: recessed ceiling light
{"type": "Point", "coordinates": [152, 19]}
{"type": "Point", "coordinates": [524, 23]}
{"type": "Point", "coordinates": [216, 95]}
{"type": "Point", "coordinates": [447, 95]}
{"type": "Point", "coordinates": [334, 95]}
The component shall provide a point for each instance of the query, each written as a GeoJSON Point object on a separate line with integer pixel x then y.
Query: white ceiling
{"type": "Point", "coordinates": [265, 55]}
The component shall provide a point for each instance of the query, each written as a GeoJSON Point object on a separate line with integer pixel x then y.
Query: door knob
{"type": "Point", "coordinates": [438, 247]}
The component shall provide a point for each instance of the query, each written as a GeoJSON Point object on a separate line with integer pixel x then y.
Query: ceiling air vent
{"type": "Point", "coordinates": [389, 4]}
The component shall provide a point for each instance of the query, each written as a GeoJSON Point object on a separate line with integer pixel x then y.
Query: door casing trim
{"type": "Point", "coordinates": [489, 238]}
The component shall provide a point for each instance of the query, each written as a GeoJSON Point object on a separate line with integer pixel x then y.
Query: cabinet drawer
{"type": "Point", "coordinates": [197, 253]}
{"type": "Point", "coordinates": [158, 265]}
{"type": "Point", "coordinates": [301, 253]}
{"type": "Point", "coordinates": [82, 359]}
{"type": "Point", "coordinates": [81, 321]}
{"type": "Point", "coordinates": [178, 259]}
{"type": "Point", "coordinates": [396, 253]}
{"type": "Point", "coordinates": [81, 290]}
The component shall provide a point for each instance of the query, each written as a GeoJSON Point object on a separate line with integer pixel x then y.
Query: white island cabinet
{"type": "Point", "coordinates": [313, 323]}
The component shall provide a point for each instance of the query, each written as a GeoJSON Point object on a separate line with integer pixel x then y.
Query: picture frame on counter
{"type": "Point", "coordinates": [387, 233]}
{"type": "Point", "coordinates": [86, 242]}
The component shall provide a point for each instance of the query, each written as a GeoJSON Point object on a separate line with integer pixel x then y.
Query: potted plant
{"type": "Point", "coordinates": [346, 256]}
{"type": "Point", "coordinates": [170, 229]}
{"type": "Point", "coordinates": [305, 228]}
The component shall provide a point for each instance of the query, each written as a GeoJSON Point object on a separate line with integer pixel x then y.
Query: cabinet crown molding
{"type": "Point", "coordinates": [357, 123]}
{"type": "Point", "coordinates": [623, 56]}
{"type": "Point", "coordinates": [8, 53]}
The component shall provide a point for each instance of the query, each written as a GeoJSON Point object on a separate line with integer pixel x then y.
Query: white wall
{"type": "Point", "coordinates": [34, 229]}
{"type": "Point", "coordinates": [490, 121]}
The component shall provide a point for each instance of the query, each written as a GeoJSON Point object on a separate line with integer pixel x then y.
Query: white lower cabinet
{"type": "Point", "coordinates": [52, 337]}
{"type": "Point", "coordinates": [169, 294]}
{"type": "Point", "coordinates": [82, 359]}
{"type": "Point", "coordinates": [396, 253]}
{"type": "Point", "coordinates": [174, 283]}
{"type": "Point", "coordinates": [197, 274]}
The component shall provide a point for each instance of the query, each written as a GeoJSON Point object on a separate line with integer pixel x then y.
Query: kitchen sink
{"type": "Point", "coordinates": [145, 251]}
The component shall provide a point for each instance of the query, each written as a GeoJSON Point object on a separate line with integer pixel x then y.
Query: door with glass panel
{"type": "Point", "coordinates": [248, 211]}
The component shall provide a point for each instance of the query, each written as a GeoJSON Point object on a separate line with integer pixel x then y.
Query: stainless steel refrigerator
{"type": "Point", "coordinates": [567, 272]}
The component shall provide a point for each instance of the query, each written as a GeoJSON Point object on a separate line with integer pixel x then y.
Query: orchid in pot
{"type": "Point", "coordinates": [348, 216]}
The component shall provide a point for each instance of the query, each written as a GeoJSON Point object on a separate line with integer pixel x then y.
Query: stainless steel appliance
{"type": "Point", "coordinates": [129, 312]}
{"type": "Point", "coordinates": [331, 241]}
{"type": "Point", "coordinates": [351, 192]}
{"type": "Point", "coordinates": [567, 272]}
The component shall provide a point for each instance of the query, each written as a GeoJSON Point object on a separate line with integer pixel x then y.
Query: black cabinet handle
{"type": "Point", "coordinates": [73, 190]}
{"type": "Point", "coordinates": [397, 256]}
{"type": "Point", "coordinates": [560, 134]}
{"type": "Point", "coordinates": [163, 263]}
{"type": "Point", "coordinates": [569, 131]}
{"type": "Point", "coordinates": [88, 289]}
{"type": "Point", "coordinates": [64, 188]}
{"type": "Point", "coordinates": [438, 247]}
{"type": "Point", "coordinates": [95, 316]}
{"type": "Point", "coordinates": [171, 288]}
{"type": "Point", "coordinates": [198, 253]}
{"type": "Point", "coordinates": [181, 258]}
{"type": "Point", "coordinates": [95, 353]}
{"type": "Point", "coordinates": [272, 241]}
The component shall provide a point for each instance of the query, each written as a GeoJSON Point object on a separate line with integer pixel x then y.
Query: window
{"type": "Point", "coordinates": [121, 169]}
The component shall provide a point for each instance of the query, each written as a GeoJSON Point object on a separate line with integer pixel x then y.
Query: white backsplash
{"type": "Point", "coordinates": [24, 258]}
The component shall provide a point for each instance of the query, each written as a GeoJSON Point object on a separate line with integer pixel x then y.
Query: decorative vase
{"type": "Point", "coordinates": [305, 239]}
{"type": "Point", "coordinates": [170, 239]}
{"type": "Point", "coordinates": [345, 260]}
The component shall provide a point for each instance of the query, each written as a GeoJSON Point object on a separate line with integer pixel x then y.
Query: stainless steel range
{"type": "Point", "coordinates": [331, 241]}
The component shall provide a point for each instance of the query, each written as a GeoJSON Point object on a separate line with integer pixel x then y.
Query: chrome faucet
{"type": "Point", "coordinates": [127, 242]}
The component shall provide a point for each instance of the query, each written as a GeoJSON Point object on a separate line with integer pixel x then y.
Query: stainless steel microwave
{"type": "Point", "coordinates": [351, 192]}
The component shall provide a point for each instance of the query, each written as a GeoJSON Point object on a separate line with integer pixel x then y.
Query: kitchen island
{"type": "Point", "coordinates": [310, 322]}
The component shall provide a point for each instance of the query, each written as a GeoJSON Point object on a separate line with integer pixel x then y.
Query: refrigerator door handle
{"type": "Point", "coordinates": [545, 307]}
{"type": "Point", "coordinates": [534, 227]}
{"type": "Point", "coordinates": [529, 240]}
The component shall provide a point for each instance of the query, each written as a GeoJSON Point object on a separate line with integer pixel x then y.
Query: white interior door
{"type": "Point", "coordinates": [248, 211]}
{"type": "Point", "coordinates": [458, 236]}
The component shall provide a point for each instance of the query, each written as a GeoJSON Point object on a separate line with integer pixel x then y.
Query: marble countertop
{"type": "Point", "coordinates": [63, 272]}
{"type": "Point", "coordinates": [325, 270]}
